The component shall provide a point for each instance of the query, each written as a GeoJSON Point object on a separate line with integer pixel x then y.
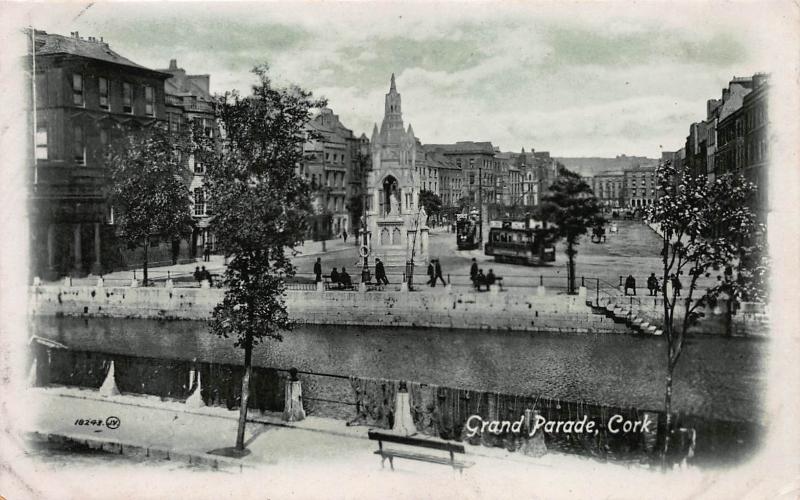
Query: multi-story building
{"type": "Point", "coordinates": [84, 93]}
{"type": "Point", "coordinates": [609, 189]}
{"type": "Point", "coordinates": [188, 101]}
{"type": "Point", "coordinates": [329, 165]}
{"type": "Point", "coordinates": [478, 166]}
{"type": "Point", "coordinates": [449, 176]}
{"type": "Point", "coordinates": [639, 186]}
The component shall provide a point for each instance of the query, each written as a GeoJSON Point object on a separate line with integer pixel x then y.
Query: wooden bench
{"type": "Point", "coordinates": [391, 454]}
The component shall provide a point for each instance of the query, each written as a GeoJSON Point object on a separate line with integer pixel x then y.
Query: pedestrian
{"type": "Point", "coordinates": [198, 276]}
{"type": "Point", "coordinates": [473, 271]}
{"type": "Point", "coordinates": [438, 269]}
{"type": "Point", "coordinates": [431, 275]}
{"type": "Point", "coordinates": [676, 285]}
{"type": "Point", "coordinates": [652, 284]}
{"type": "Point", "coordinates": [207, 253]}
{"type": "Point", "coordinates": [344, 235]}
{"type": "Point", "coordinates": [480, 280]}
{"type": "Point", "coordinates": [380, 273]}
{"type": "Point", "coordinates": [334, 277]}
{"type": "Point", "coordinates": [205, 275]}
{"type": "Point", "coordinates": [344, 279]}
{"type": "Point", "coordinates": [318, 270]}
{"type": "Point", "coordinates": [630, 283]}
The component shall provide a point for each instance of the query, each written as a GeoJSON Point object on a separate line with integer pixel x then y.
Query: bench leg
{"type": "Point", "coordinates": [391, 462]}
{"type": "Point", "coordinates": [383, 460]}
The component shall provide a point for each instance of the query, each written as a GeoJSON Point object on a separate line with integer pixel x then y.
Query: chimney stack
{"type": "Point", "coordinates": [173, 64]}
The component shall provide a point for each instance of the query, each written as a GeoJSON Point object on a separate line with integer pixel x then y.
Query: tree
{"type": "Point", "coordinates": [149, 187]}
{"type": "Point", "coordinates": [570, 205]}
{"type": "Point", "coordinates": [431, 201]}
{"type": "Point", "coordinates": [262, 206]}
{"type": "Point", "coordinates": [706, 226]}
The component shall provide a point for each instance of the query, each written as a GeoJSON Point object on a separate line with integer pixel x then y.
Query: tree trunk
{"type": "Point", "coordinates": [668, 413]}
{"type": "Point", "coordinates": [248, 368]}
{"type": "Point", "coordinates": [144, 264]}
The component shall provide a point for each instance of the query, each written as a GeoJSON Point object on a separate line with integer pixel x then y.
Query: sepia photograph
{"type": "Point", "coordinates": [309, 249]}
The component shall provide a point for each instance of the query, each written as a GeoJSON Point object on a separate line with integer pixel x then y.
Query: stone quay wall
{"type": "Point", "coordinates": [429, 308]}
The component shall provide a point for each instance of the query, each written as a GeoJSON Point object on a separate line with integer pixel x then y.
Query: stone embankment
{"type": "Point", "coordinates": [437, 308]}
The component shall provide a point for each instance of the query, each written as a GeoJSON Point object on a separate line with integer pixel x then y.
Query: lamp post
{"type": "Point", "coordinates": [365, 276]}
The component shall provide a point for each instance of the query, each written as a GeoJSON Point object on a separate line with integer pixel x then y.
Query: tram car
{"type": "Point", "coordinates": [467, 231]}
{"type": "Point", "coordinates": [519, 241]}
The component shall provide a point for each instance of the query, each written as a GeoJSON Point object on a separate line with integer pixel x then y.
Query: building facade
{"type": "Point", "coordinates": [478, 166]}
{"type": "Point", "coordinates": [85, 93]}
{"type": "Point", "coordinates": [188, 101]}
{"type": "Point", "coordinates": [334, 166]}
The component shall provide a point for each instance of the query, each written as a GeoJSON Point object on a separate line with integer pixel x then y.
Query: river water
{"type": "Point", "coordinates": [719, 378]}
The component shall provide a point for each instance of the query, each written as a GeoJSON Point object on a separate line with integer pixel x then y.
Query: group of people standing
{"type": "Point", "coordinates": [653, 285]}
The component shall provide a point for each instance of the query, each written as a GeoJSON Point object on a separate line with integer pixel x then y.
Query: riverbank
{"type": "Point", "coordinates": [437, 308]}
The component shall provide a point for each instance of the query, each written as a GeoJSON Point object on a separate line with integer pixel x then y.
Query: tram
{"type": "Point", "coordinates": [467, 231]}
{"type": "Point", "coordinates": [520, 241]}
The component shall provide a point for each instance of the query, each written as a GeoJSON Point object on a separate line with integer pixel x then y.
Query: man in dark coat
{"type": "Point", "coordinates": [480, 279]}
{"type": "Point", "coordinates": [318, 270]}
{"type": "Point", "coordinates": [630, 282]}
{"type": "Point", "coordinates": [380, 273]}
{"type": "Point", "coordinates": [438, 270]}
{"type": "Point", "coordinates": [490, 279]}
{"type": "Point", "coordinates": [473, 271]}
{"type": "Point", "coordinates": [344, 279]}
{"type": "Point", "coordinates": [198, 276]}
{"type": "Point", "coordinates": [652, 284]}
{"type": "Point", "coordinates": [334, 277]}
{"type": "Point", "coordinates": [431, 274]}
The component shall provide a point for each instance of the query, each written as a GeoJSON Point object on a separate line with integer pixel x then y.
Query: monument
{"type": "Point", "coordinates": [395, 221]}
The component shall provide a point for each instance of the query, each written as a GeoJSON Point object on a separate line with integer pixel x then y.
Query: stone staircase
{"type": "Point", "coordinates": [627, 315]}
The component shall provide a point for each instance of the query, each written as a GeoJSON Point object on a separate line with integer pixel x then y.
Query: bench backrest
{"type": "Point", "coordinates": [415, 441]}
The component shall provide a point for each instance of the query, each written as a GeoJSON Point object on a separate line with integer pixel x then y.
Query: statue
{"type": "Point", "coordinates": [423, 217]}
{"type": "Point", "coordinates": [394, 208]}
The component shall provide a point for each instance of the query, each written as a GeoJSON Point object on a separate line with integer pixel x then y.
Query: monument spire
{"type": "Point", "coordinates": [392, 88]}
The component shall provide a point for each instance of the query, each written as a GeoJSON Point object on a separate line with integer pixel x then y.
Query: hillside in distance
{"type": "Point", "coordinates": [597, 165]}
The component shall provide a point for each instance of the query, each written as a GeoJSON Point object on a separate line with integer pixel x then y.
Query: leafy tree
{"type": "Point", "coordinates": [261, 209]}
{"type": "Point", "coordinates": [706, 226]}
{"type": "Point", "coordinates": [149, 187]}
{"type": "Point", "coordinates": [431, 201]}
{"type": "Point", "coordinates": [570, 205]}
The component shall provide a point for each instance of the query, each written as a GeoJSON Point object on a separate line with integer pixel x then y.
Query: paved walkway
{"type": "Point", "coordinates": [316, 458]}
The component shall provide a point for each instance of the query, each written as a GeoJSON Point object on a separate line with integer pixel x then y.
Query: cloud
{"type": "Point", "coordinates": [589, 79]}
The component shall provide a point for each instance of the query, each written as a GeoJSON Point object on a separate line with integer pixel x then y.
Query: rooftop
{"type": "Point", "coordinates": [91, 48]}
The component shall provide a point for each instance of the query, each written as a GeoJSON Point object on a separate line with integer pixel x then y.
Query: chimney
{"type": "Point", "coordinates": [725, 94]}
{"type": "Point", "coordinates": [173, 64]}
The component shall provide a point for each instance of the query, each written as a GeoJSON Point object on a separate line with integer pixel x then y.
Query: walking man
{"type": "Point", "coordinates": [207, 253]}
{"type": "Point", "coordinates": [318, 270]}
{"type": "Point", "coordinates": [438, 270]}
{"type": "Point", "coordinates": [431, 275]}
{"type": "Point", "coordinates": [344, 235]}
{"type": "Point", "coordinates": [380, 273]}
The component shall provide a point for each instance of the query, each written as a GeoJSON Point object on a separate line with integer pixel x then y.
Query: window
{"type": "Point", "coordinates": [149, 101]}
{"type": "Point", "coordinates": [127, 98]}
{"type": "Point", "coordinates": [77, 89]}
{"type": "Point", "coordinates": [472, 178]}
{"type": "Point", "coordinates": [103, 88]}
{"type": "Point", "coordinates": [199, 202]}
{"type": "Point", "coordinates": [79, 145]}
{"type": "Point", "coordinates": [41, 141]}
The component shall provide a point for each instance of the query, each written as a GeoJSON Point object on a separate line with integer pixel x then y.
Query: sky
{"type": "Point", "coordinates": [575, 79]}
